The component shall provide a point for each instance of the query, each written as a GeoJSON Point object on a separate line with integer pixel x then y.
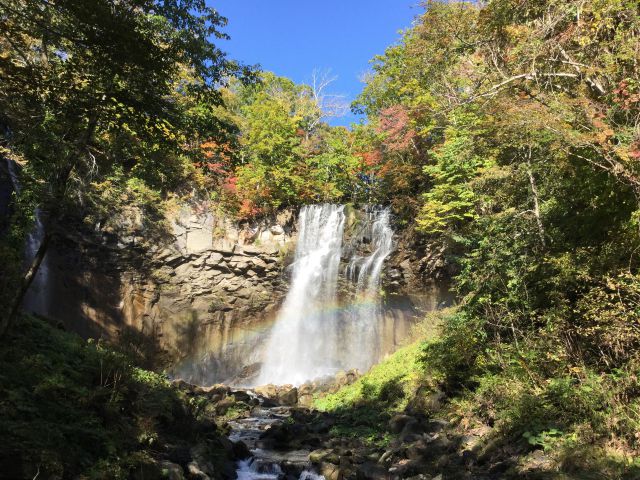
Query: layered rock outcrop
{"type": "Point", "coordinates": [206, 295]}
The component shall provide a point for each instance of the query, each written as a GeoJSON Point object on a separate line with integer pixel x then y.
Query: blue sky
{"type": "Point", "coordinates": [292, 38]}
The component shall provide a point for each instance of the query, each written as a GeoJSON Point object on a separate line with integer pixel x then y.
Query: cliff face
{"type": "Point", "coordinates": [204, 294]}
{"type": "Point", "coordinates": [208, 292]}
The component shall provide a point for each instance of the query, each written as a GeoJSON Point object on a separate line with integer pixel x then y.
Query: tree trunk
{"type": "Point", "coordinates": [536, 202]}
{"type": "Point", "coordinates": [58, 193]}
{"type": "Point", "coordinates": [26, 283]}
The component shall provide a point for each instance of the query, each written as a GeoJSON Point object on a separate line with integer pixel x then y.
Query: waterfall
{"type": "Point", "coordinates": [37, 298]}
{"type": "Point", "coordinates": [312, 336]}
{"type": "Point", "coordinates": [304, 340]}
{"type": "Point", "coordinates": [361, 340]}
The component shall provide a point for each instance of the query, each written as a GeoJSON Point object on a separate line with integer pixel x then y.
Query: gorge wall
{"type": "Point", "coordinates": [204, 298]}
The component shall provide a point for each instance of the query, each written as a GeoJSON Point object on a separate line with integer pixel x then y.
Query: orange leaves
{"type": "Point", "coordinates": [395, 124]}
{"type": "Point", "coordinates": [370, 159]}
{"type": "Point", "coordinates": [248, 209]}
{"type": "Point", "coordinates": [627, 95]}
{"type": "Point", "coordinates": [217, 157]}
{"type": "Point", "coordinates": [230, 185]}
{"type": "Point", "coordinates": [603, 131]}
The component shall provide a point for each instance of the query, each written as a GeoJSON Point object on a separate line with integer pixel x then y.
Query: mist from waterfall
{"type": "Point", "coordinates": [304, 339]}
{"type": "Point", "coordinates": [313, 335]}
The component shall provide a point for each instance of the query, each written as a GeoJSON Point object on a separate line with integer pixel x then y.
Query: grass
{"type": "Point", "coordinates": [364, 408]}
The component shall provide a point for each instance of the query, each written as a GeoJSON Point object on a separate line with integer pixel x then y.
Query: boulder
{"type": "Point", "coordinates": [331, 472]}
{"type": "Point", "coordinates": [288, 397]}
{"type": "Point", "coordinates": [323, 455]}
{"type": "Point", "coordinates": [269, 390]}
{"type": "Point", "coordinates": [224, 405]}
{"type": "Point", "coordinates": [214, 259]}
{"type": "Point", "coordinates": [195, 472]}
{"type": "Point", "coordinates": [305, 400]}
{"type": "Point", "coordinates": [199, 240]}
{"type": "Point", "coordinates": [417, 450]}
{"type": "Point", "coordinates": [276, 230]}
{"type": "Point", "coordinates": [398, 422]}
{"type": "Point", "coordinates": [240, 451]}
{"type": "Point", "coordinates": [241, 396]}
{"type": "Point", "coordinates": [371, 471]}
{"type": "Point", "coordinates": [200, 466]}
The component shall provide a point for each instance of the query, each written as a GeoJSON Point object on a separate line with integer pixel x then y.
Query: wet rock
{"type": "Point", "coordinates": [288, 397]}
{"type": "Point", "coordinates": [240, 450]}
{"type": "Point", "coordinates": [277, 437]}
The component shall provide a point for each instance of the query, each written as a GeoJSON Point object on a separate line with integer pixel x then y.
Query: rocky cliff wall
{"type": "Point", "coordinates": [204, 294]}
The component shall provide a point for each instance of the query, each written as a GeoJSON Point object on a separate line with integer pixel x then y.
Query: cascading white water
{"type": "Point", "coordinates": [37, 298]}
{"type": "Point", "coordinates": [312, 337]}
{"type": "Point", "coordinates": [304, 339]}
{"type": "Point", "coordinates": [361, 338]}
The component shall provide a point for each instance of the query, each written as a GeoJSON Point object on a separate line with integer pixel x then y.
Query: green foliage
{"type": "Point", "coordinates": [285, 154]}
{"type": "Point", "coordinates": [364, 407]}
{"type": "Point", "coordinates": [105, 96]}
{"type": "Point", "coordinates": [526, 130]}
{"type": "Point", "coordinates": [450, 202]}
{"type": "Point", "coordinates": [69, 407]}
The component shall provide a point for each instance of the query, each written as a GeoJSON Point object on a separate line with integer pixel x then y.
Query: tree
{"type": "Point", "coordinates": [93, 85]}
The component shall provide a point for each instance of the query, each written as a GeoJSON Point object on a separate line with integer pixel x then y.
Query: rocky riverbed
{"type": "Point", "coordinates": [271, 436]}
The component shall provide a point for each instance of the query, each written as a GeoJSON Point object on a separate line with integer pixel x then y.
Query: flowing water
{"type": "Point", "coordinates": [361, 337]}
{"type": "Point", "coordinates": [304, 340]}
{"type": "Point", "coordinates": [315, 336]}
{"type": "Point", "coordinates": [266, 463]}
{"type": "Point", "coordinates": [38, 297]}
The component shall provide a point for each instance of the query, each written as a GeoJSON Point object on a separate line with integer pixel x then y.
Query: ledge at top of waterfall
{"type": "Point", "coordinates": [313, 337]}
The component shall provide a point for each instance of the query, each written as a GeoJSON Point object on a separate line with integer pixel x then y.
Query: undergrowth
{"type": "Point", "coordinates": [363, 408]}
{"type": "Point", "coordinates": [72, 408]}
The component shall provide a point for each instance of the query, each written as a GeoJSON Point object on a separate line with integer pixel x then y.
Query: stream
{"type": "Point", "coordinates": [267, 463]}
